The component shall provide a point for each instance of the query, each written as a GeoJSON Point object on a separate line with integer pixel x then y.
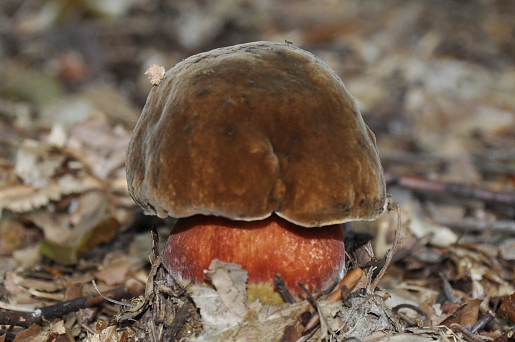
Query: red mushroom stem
{"type": "Point", "coordinates": [264, 248]}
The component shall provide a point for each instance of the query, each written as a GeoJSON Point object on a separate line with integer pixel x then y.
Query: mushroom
{"type": "Point", "coordinates": [261, 153]}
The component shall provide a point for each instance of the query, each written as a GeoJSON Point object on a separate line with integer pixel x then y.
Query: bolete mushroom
{"type": "Point", "coordinates": [261, 153]}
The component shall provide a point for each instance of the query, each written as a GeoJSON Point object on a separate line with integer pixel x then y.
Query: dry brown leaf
{"type": "Point", "coordinates": [36, 334]}
{"type": "Point", "coordinates": [32, 334]}
{"type": "Point", "coordinates": [114, 269]}
{"type": "Point", "coordinates": [507, 308]}
{"type": "Point", "coordinates": [35, 164]}
{"type": "Point", "coordinates": [39, 284]}
{"type": "Point", "coordinates": [24, 198]}
{"type": "Point", "coordinates": [66, 240]}
{"type": "Point", "coordinates": [109, 334]}
{"type": "Point", "coordinates": [466, 315]}
{"type": "Point", "coordinates": [98, 146]}
{"type": "Point", "coordinates": [11, 232]}
{"type": "Point", "coordinates": [12, 285]}
{"type": "Point", "coordinates": [73, 290]}
{"type": "Point", "coordinates": [222, 308]}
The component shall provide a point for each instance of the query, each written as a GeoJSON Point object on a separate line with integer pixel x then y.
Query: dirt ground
{"type": "Point", "coordinates": [434, 80]}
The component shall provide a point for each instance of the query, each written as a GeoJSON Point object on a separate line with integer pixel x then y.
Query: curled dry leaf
{"type": "Point", "coordinates": [507, 308]}
{"type": "Point", "coordinates": [114, 269]}
{"type": "Point", "coordinates": [102, 154]}
{"type": "Point", "coordinates": [226, 314]}
{"type": "Point", "coordinates": [141, 303]}
{"type": "Point", "coordinates": [109, 334]}
{"type": "Point", "coordinates": [35, 164]}
{"type": "Point", "coordinates": [70, 162]}
{"type": "Point", "coordinates": [423, 336]}
{"type": "Point", "coordinates": [66, 239]}
{"type": "Point", "coordinates": [24, 198]}
{"type": "Point", "coordinates": [224, 307]}
{"type": "Point", "coordinates": [38, 334]}
{"type": "Point", "coordinates": [11, 233]}
{"type": "Point", "coordinates": [466, 315]}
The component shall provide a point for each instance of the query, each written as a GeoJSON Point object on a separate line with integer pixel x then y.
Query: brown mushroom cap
{"type": "Point", "coordinates": [248, 130]}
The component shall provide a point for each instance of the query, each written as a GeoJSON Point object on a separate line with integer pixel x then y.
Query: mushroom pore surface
{"type": "Point", "coordinates": [254, 129]}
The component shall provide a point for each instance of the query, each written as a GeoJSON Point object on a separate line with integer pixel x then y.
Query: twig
{"type": "Point", "coordinates": [471, 224]}
{"type": "Point", "coordinates": [85, 327]}
{"type": "Point", "coordinates": [142, 302]}
{"type": "Point", "coordinates": [422, 241]}
{"type": "Point", "coordinates": [420, 184]}
{"type": "Point", "coordinates": [448, 290]}
{"type": "Point", "coordinates": [507, 336]}
{"type": "Point", "coordinates": [417, 322]}
{"type": "Point", "coordinates": [323, 323]}
{"type": "Point", "coordinates": [109, 299]}
{"type": "Point", "coordinates": [348, 282]}
{"type": "Point", "coordinates": [391, 252]}
{"type": "Point", "coordinates": [283, 289]}
{"type": "Point", "coordinates": [482, 322]}
{"type": "Point", "coordinates": [23, 319]}
{"type": "Point", "coordinates": [467, 335]}
{"type": "Point", "coordinates": [370, 275]}
{"type": "Point", "coordinates": [186, 311]}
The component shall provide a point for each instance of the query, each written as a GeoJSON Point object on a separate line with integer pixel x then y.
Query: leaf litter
{"type": "Point", "coordinates": [439, 94]}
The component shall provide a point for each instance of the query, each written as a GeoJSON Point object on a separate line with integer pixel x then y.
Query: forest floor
{"type": "Point", "coordinates": [434, 80]}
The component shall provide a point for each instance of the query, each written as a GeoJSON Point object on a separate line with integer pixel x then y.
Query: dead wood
{"type": "Point", "coordinates": [24, 319]}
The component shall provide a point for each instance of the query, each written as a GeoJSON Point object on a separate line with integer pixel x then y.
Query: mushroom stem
{"type": "Point", "coordinates": [264, 248]}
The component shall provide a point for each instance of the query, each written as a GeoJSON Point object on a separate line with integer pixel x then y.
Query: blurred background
{"type": "Point", "coordinates": [429, 76]}
{"type": "Point", "coordinates": [434, 79]}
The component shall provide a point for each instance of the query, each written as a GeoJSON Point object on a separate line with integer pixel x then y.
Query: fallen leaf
{"type": "Point", "coordinates": [65, 242]}
{"type": "Point", "coordinates": [115, 268]}
{"type": "Point", "coordinates": [507, 308]}
{"type": "Point", "coordinates": [33, 334]}
{"type": "Point", "coordinates": [224, 307]}
{"type": "Point", "coordinates": [466, 315]}
{"type": "Point", "coordinates": [24, 198]}
{"type": "Point", "coordinates": [35, 164]}
{"type": "Point", "coordinates": [11, 232]}
{"type": "Point", "coordinates": [102, 154]}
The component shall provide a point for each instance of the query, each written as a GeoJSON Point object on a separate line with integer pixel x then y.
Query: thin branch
{"type": "Point", "coordinates": [482, 322]}
{"type": "Point", "coordinates": [420, 321]}
{"type": "Point", "coordinates": [24, 319]}
{"type": "Point", "coordinates": [467, 335]}
{"type": "Point", "coordinates": [324, 327]}
{"type": "Point", "coordinates": [283, 289]}
{"type": "Point", "coordinates": [345, 285]}
{"type": "Point", "coordinates": [470, 224]}
{"type": "Point", "coordinates": [425, 185]}
{"type": "Point", "coordinates": [109, 299]}
{"type": "Point", "coordinates": [391, 252]}
{"type": "Point", "coordinates": [448, 290]}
